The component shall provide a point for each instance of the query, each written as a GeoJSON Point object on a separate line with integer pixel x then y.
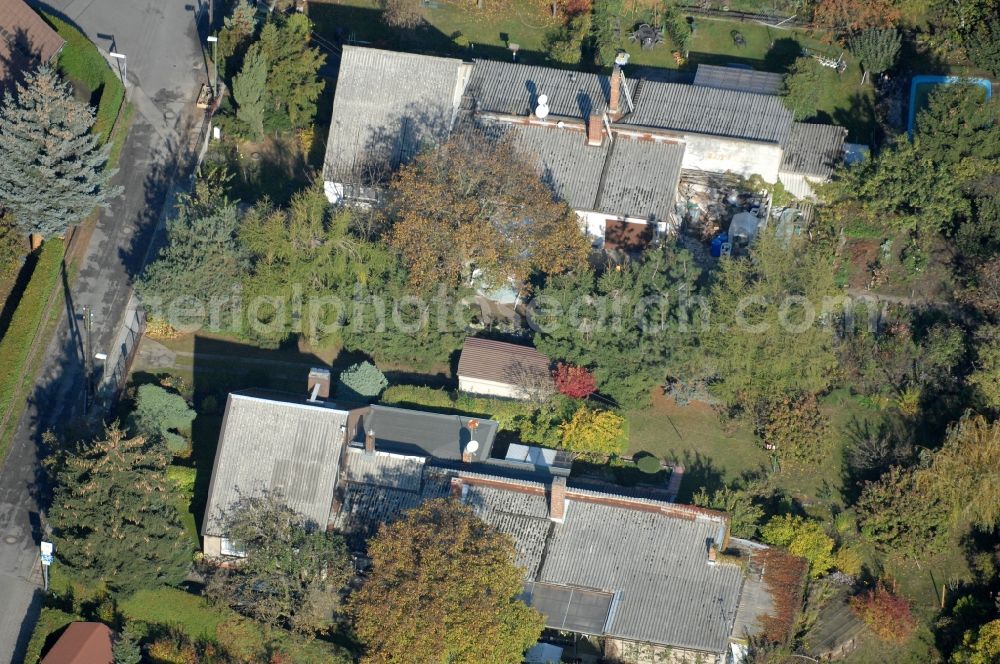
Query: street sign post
{"type": "Point", "coordinates": [46, 555]}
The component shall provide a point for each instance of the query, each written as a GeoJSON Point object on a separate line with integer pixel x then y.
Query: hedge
{"type": "Point", "coordinates": [442, 401]}
{"type": "Point", "coordinates": [49, 622]}
{"type": "Point", "coordinates": [26, 323]}
{"type": "Point", "coordinates": [83, 65]}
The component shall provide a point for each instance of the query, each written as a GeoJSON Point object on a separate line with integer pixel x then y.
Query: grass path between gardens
{"type": "Point", "coordinates": [92, 78]}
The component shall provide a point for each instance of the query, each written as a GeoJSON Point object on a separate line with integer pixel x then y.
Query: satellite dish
{"type": "Point", "coordinates": [542, 110]}
{"type": "Point", "coordinates": [472, 446]}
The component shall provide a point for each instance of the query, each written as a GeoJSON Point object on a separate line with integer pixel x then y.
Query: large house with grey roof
{"type": "Point", "coordinates": [646, 579]}
{"type": "Point", "coordinates": [614, 148]}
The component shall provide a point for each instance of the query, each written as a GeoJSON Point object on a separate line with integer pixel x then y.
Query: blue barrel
{"type": "Point", "coordinates": [715, 250]}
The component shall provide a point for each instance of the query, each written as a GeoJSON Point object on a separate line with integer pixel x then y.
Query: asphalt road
{"type": "Point", "coordinates": [165, 67]}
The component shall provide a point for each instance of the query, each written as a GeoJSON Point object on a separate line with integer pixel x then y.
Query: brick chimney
{"type": "Point", "coordinates": [616, 93]}
{"type": "Point", "coordinates": [595, 129]}
{"type": "Point", "coordinates": [319, 384]}
{"type": "Point", "coordinates": [370, 441]}
{"type": "Point", "coordinates": [557, 499]}
{"type": "Point", "coordinates": [713, 553]}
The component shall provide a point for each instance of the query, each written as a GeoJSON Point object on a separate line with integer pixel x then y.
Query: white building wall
{"type": "Point", "coordinates": [721, 155]}
{"type": "Point", "coordinates": [636, 652]}
{"type": "Point", "coordinates": [798, 185]}
{"type": "Point", "coordinates": [489, 388]}
{"type": "Point", "coordinates": [334, 191]}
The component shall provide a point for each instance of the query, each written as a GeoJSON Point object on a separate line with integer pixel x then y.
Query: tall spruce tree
{"type": "Point", "coordinates": [113, 519]}
{"type": "Point", "coordinates": [201, 263]}
{"type": "Point", "coordinates": [249, 91]}
{"type": "Point", "coordinates": [53, 171]}
{"type": "Point", "coordinates": [293, 85]}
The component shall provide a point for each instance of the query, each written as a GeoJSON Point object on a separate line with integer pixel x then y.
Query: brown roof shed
{"type": "Point", "coordinates": [82, 643]}
{"type": "Point", "coordinates": [25, 38]}
{"type": "Point", "coordinates": [501, 362]}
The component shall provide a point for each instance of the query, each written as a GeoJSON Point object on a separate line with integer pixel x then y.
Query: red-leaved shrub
{"type": "Point", "coordinates": [886, 614]}
{"type": "Point", "coordinates": [575, 382]}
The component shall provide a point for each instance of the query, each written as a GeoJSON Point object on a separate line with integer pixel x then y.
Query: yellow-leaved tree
{"type": "Point", "coordinates": [594, 432]}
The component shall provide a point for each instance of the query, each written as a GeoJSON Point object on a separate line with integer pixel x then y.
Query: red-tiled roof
{"type": "Point", "coordinates": [499, 361]}
{"type": "Point", "coordinates": [24, 37]}
{"type": "Point", "coordinates": [82, 643]}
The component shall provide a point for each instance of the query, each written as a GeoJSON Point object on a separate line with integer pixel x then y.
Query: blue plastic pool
{"type": "Point", "coordinates": [920, 88]}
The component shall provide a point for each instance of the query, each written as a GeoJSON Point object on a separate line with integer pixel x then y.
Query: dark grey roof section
{"type": "Point", "coordinates": [384, 469]}
{"type": "Point", "coordinates": [641, 178]}
{"type": "Point", "coordinates": [813, 149]}
{"type": "Point", "coordinates": [669, 592]}
{"type": "Point", "coordinates": [570, 608]}
{"type": "Point", "coordinates": [513, 89]}
{"type": "Point", "coordinates": [690, 108]}
{"type": "Point", "coordinates": [739, 79]}
{"type": "Point", "coordinates": [419, 433]}
{"type": "Point", "coordinates": [292, 448]}
{"type": "Point", "coordinates": [570, 167]}
{"type": "Point", "coordinates": [387, 106]}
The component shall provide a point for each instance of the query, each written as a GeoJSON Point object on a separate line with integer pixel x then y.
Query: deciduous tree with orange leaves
{"type": "Point", "coordinates": [478, 205]}
{"type": "Point", "coordinates": [847, 17]}
{"type": "Point", "coordinates": [443, 588]}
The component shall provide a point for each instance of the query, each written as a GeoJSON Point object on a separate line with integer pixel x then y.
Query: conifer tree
{"type": "Point", "coordinates": [53, 171]}
{"type": "Point", "coordinates": [113, 520]}
{"type": "Point", "coordinates": [248, 91]}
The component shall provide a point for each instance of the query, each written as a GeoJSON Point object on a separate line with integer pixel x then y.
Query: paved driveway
{"type": "Point", "coordinates": [165, 69]}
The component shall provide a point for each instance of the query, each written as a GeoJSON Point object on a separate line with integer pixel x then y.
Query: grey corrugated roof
{"type": "Point", "coordinates": [384, 469]}
{"type": "Point", "coordinates": [739, 79]}
{"type": "Point", "coordinates": [525, 517]}
{"type": "Point", "coordinates": [513, 89]}
{"type": "Point", "coordinates": [570, 167]}
{"type": "Point", "coordinates": [276, 445]}
{"type": "Point", "coordinates": [669, 592]}
{"type": "Point", "coordinates": [366, 506]}
{"type": "Point", "coordinates": [695, 109]}
{"type": "Point", "coordinates": [813, 149]}
{"type": "Point", "coordinates": [641, 178]}
{"type": "Point", "coordinates": [419, 433]}
{"type": "Point", "coordinates": [387, 106]}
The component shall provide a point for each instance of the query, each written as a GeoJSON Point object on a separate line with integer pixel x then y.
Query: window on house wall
{"type": "Point", "coordinates": [230, 549]}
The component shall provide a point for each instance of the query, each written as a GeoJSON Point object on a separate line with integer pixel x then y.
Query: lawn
{"type": "Point", "coordinates": [93, 80]}
{"type": "Point", "coordinates": [715, 454]}
{"type": "Point", "coordinates": [693, 435]}
{"type": "Point", "coordinates": [451, 29]}
{"type": "Point", "coordinates": [172, 606]}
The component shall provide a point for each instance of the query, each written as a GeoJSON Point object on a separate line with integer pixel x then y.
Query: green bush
{"type": "Point", "coordinates": [83, 64]}
{"type": "Point", "coordinates": [183, 477]}
{"type": "Point", "coordinates": [648, 464]}
{"type": "Point", "coordinates": [361, 382]}
{"type": "Point", "coordinates": [26, 322]}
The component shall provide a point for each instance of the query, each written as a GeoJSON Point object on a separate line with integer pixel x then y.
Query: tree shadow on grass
{"type": "Point", "coordinates": [700, 472]}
